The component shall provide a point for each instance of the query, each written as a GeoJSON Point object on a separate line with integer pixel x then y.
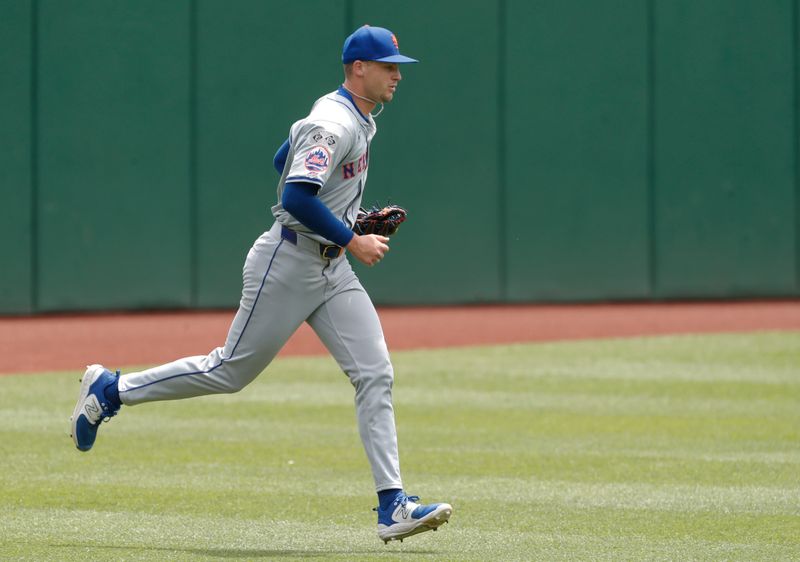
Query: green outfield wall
{"type": "Point", "coordinates": [548, 151]}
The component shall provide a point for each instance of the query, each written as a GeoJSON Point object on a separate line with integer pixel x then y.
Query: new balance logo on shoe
{"type": "Point", "coordinates": [92, 409]}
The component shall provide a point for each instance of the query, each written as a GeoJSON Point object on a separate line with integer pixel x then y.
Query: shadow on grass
{"type": "Point", "coordinates": [249, 554]}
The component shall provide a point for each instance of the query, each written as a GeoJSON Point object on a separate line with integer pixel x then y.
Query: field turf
{"type": "Point", "coordinates": [663, 448]}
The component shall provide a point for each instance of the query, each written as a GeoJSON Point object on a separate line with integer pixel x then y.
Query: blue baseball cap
{"type": "Point", "coordinates": [373, 43]}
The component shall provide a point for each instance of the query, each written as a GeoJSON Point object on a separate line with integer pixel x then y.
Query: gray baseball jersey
{"type": "Point", "coordinates": [329, 148]}
{"type": "Point", "coordinates": [287, 281]}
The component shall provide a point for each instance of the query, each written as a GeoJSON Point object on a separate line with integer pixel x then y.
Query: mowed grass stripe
{"type": "Point", "coordinates": [651, 448]}
{"type": "Point", "coordinates": [136, 536]}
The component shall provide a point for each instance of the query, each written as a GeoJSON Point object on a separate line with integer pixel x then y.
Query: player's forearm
{"type": "Point", "coordinates": [300, 201]}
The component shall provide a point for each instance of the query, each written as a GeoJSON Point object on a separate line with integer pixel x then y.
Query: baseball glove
{"type": "Point", "coordinates": [384, 221]}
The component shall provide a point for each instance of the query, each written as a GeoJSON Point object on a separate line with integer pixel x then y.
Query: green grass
{"type": "Point", "coordinates": [668, 448]}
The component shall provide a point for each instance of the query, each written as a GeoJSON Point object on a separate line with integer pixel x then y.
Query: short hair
{"type": "Point", "coordinates": [348, 69]}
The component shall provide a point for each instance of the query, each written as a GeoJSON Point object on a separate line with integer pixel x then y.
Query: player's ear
{"type": "Point", "coordinates": [359, 68]}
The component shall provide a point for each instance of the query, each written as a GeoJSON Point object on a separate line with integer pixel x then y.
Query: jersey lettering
{"type": "Point", "coordinates": [357, 166]}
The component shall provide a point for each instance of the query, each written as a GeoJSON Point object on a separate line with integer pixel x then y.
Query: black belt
{"type": "Point", "coordinates": [327, 251]}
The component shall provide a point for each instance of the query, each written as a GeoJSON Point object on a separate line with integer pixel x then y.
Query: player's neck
{"type": "Point", "coordinates": [363, 104]}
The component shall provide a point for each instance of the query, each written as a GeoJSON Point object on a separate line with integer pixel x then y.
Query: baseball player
{"type": "Point", "coordinates": [297, 272]}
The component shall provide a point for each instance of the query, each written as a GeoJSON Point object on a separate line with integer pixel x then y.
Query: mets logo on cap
{"type": "Point", "coordinates": [394, 40]}
{"type": "Point", "coordinates": [318, 159]}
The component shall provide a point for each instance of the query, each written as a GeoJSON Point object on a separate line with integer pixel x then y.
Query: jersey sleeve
{"type": "Point", "coordinates": [319, 149]}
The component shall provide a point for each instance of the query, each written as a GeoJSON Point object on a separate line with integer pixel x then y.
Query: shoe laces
{"type": "Point", "coordinates": [406, 499]}
{"type": "Point", "coordinates": [402, 500]}
{"type": "Point", "coordinates": [108, 411]}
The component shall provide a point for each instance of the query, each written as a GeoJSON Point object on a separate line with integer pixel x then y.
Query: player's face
{"type": "Point", "coordinates": [380, 80]}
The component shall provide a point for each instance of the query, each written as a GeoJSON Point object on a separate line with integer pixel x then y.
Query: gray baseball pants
{"type": "Point", "coordinates": [285, 284]}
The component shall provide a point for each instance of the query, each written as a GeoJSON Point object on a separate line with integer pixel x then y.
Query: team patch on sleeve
{"type": "Point", "coordinates": [318, 159]}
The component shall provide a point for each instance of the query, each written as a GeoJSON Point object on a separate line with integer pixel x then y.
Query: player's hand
{"type": "Point", "coordinates": [369, 249]}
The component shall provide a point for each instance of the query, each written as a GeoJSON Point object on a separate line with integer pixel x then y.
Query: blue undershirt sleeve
{"type": "Point", "coordinates": [279, 161]}
{"type": "Point", "coordinates": [300, 200]}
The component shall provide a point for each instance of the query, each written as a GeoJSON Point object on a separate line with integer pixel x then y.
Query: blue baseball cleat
{"type": "Point", "coordinates": [93, 407]}
{"type": "Point", "coordinates": [404, 518]}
